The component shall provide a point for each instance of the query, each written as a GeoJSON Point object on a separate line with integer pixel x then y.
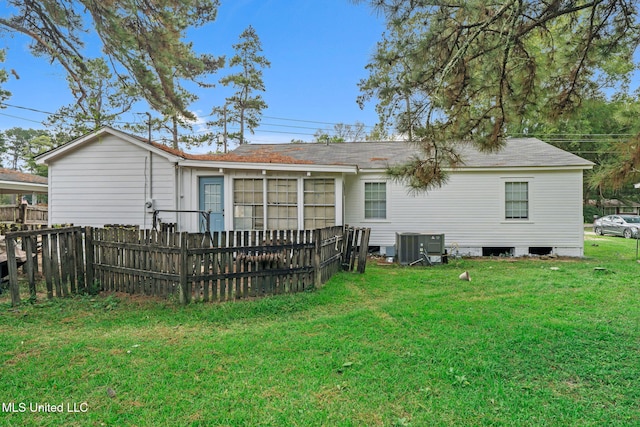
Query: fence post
{"type": "Point", "coordinates": [27, 242]}
{"type": "Point", "coordinates": [364, 249]}
{"type": "Point", "coordinates": [80, 265]}
{"type": "Point", "coordinates": [317, 259]}
{"type": "Point", "coordinates": [13, 272]}
{"type": "Point", "coordinates": [90, 286]}
{"type": "Point", "coordinates": [347, 239]}
{"type": "Point", "coordinates": [183, 292]}
{"type": "Point", "coordinates": [46, 265]}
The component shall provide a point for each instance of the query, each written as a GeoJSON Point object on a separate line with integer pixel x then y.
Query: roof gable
{"type": "Point", "coordinates": [63, 150]}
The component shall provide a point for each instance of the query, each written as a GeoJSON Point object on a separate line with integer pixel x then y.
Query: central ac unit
{"type": "Point", "coordinates": [411, 246]}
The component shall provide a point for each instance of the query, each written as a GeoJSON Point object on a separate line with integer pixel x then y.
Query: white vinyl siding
{"type": "Point", "coordinates": [470, 210]}
{"type": "Point", "coordinates": [108, 181]}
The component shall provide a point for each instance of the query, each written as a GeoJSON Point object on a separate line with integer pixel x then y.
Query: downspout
{"type": "Point", "coordinates": [150, 163]}
{"type": "Point", "coordinates": [148, 194]}
{"type": "Point", "coordinates": [178, 184]}
{"type": "Point", "coordinates": [150, 175]}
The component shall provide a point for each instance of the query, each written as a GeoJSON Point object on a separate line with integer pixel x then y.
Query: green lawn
{"type": "Point", "coordinates": [524, 343]}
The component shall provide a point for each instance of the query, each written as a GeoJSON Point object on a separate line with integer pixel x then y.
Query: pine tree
{"type": "Point", "coordinates": [143, 39]}
{"type": "Point", "coordinates": [450, 72]}
{"type": "Point", "coordinates": [244, 107]}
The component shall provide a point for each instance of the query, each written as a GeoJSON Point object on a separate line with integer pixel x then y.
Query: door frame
{"type": "Point", "coordinates": [217, 179]}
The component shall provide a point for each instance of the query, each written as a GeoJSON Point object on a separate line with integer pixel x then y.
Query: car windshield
{"type": "Point", "coordinates": [632, 219]}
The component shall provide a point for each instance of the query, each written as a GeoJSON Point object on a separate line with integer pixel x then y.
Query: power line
{"type": "Point", "coordinates": [20, 118]}
{"type": "Point", "coordinates": [286, 133]}
{"type": "Point", "coordinates": [26, 108]}
{"type": "Point", "coordinates": [311, 121]}
{"type": "Point", "coordinates": [287, 126]}
{"type": "Point", "coordinates": [554, 138]}
{"type": "Point", "coordinates": [35, 110]}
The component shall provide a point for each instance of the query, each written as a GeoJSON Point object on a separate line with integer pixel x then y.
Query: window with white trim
{"type": "Point", "coordinates": [375, 200]}
{"type": "Point", "coordinates": [282, 204]}
{"type": "Point", "coordinates": [248, 204]}
{"type": "Point", "coordinates": [319, 203]}
{"type": "Point", "coordinates": [516, 201]}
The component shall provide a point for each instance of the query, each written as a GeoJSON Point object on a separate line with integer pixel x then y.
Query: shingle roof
{"type": "Point", "coordinates": [256, 154]}
{"type": "Point", "coordinates": [16, 176]}
{"type": "Point", "coordinates": [518, 152]}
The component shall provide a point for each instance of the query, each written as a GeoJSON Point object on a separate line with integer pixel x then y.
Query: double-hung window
{"type": "Point", "coordinates": [375, 200]}
{"type": "Point", "coordinates": [516, 200]}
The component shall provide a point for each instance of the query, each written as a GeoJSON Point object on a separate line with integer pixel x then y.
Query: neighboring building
{"type": "Point", "coordinates": [616, 206]}
{"type": "Point", "coordinates": [28, 186]}
{"type": "Point", "coordinates": [16, 182]}
{"type": "Point", "coordinates": [527, 198]}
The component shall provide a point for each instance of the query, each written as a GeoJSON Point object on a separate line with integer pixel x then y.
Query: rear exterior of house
{"type": "Point", "coordinates": [108, 179]}
{"type": "Point", "coordinates": [524, 199]}
{"type": "Point", "coordinates": [480, 213]}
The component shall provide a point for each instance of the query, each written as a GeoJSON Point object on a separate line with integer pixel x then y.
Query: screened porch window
{"type": "Point", "coordinates": [248, 204]}
{"type": "Point", "coordinates": [516, 200]}
{"type": "Point", "coordinates": [319, 203]}
{"type": "Point", "coordinates": [282, 204]}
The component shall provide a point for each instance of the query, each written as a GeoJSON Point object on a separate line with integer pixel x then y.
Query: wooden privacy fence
{"type": "Point", "coordinates": [356, 246]}
{"type": "Point", "coordinates": [209, 267]}
{"type": "Point", "coordinates": [58, 253]}
{"type": "Point", "coordinates": [25, 214]}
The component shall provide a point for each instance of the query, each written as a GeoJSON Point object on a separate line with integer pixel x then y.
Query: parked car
{"type": "Point", "coordinates": [619, 225]}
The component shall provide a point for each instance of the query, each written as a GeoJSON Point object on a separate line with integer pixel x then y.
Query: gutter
{"type": "Point", "coordinates": [284, 167]}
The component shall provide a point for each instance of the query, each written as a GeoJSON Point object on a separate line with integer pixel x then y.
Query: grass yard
{"type": "Point", "coordinates": [525, 343]}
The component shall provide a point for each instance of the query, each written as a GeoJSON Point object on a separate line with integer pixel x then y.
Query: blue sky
{"type": "Point", "coordinates": [318, 52]}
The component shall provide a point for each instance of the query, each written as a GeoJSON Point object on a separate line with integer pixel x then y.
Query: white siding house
{"type": "Point", "coordinates": [523, 199]}
{"type": "Point", "coordinates": [471, 211]}
{"type": "Point", "coordinates": [107, 178]}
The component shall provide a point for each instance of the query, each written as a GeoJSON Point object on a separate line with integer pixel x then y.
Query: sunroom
{"type": "Point", "coordinates": [263, 199]}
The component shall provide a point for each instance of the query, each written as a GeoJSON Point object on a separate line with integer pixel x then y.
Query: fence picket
{"type": "Point", "coordinates": [29, 267]}
{"type": "Point", "coordinates": [237, 266]}
{"type": "Point", "coordinates": [12, 267]}
{"type": "Point", "coordinates": [46, 265]}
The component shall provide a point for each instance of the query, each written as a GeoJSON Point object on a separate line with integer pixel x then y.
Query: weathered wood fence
{"type": "Point", "coordinates": [57, 253]}
{"type": "Point", "coordinates": [356, 245]}
{"type": "Point", "coordinates": [24, 214]}
{"type": "Point", "coordinates": [191, 266]}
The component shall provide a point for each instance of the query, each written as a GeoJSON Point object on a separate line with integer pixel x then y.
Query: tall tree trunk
{"type": "Point", "coordinates": [175, 132]}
